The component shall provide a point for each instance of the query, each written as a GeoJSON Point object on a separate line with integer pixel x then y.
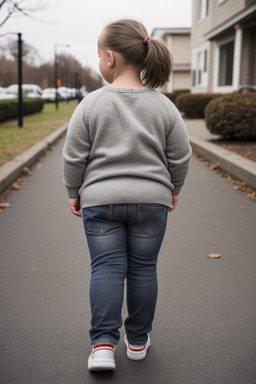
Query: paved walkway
{"type": "Point", "coordinates": [205, 325]}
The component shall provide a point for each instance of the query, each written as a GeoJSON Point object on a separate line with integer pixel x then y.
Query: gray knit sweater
{"type": "Point", "coordinates": [125, 146]}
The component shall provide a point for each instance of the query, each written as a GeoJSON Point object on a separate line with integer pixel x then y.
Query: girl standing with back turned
{"type": "Point", "coordinates": [125, 160]}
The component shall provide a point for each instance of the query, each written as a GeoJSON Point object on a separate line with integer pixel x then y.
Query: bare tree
{"type": "Point", "coordinates": [29, 53]}
{"type": "Point", "coordinates": [70, 71]}
{"type": "Point", "coordinates": [9, 8]}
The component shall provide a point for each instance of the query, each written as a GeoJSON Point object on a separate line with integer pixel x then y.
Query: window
{"type": "Point", "coordinates": [201, 10]}
{"type": "Point", "coordinates": [199, 68]}
{"type": "Point", "coordinates": [226, 64]}
{"type": "Point", "coordinates": [205, 60]}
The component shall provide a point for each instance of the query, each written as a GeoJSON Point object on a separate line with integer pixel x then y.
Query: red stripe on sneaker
{"type": "Point", "coordinates": [135, 349]}
{"type": "Point", "coordinates": [104, 345]}
{"type": "Point", "coordinates": [98, 347]}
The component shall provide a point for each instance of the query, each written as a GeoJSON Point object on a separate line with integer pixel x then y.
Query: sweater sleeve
{"type": "Point", "coordinates": [178, 151]}
{"type": "Point", "coordinates": [76, 151]}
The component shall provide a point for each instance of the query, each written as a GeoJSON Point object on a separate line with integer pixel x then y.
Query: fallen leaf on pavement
{"type": "Point", "coordinates": [214, 255]}
{"type": "Point", "coordinates": [214, 166]}
{"type": "Point", "coordinates": [4, 205]}
{"type": "Point", "coordinates": [243, 207]}
{"type": "Point", "coordinates": [15, 186]}
{"type": "Point", "coordinates": [27, 171]}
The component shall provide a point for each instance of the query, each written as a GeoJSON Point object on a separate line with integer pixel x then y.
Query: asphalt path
{"type": "Point", "coordinates": [205, 325]}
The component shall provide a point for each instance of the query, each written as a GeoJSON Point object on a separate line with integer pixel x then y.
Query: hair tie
{"type": "Point", "coordinates": [145, 40]}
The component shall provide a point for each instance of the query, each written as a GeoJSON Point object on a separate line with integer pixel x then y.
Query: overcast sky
{"type": "Point", "coordinates": [79, 23]}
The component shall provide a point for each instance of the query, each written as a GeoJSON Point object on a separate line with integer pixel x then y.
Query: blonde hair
{"type": "Point", "coordinates": [152, 56]}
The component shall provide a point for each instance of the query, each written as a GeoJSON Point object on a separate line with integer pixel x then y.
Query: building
{"type": "Point", "coordinates": [223, 43]}
{"type": "Point", "coordinates": [178, 42]}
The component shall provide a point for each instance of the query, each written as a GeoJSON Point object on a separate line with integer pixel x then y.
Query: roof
{"type": "Point", "coordinates": [170, 31]}
{"type": "Point", "coordinates": [242, 16]}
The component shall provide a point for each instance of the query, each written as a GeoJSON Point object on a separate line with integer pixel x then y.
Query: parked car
{"type": "Point", "coordinates": [64, 93]}
{"type": "Point", "coordinates": [72, 92]}
{"type": "Point", "coordinates": [49, 94]}
{"type": "Point", "coordinates": [6, 96]}
{"type": "Point", "coordinates": [28, 90]}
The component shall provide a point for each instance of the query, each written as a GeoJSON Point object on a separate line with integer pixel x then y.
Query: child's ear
{"type": "Point", "coordinates": [111, 59]}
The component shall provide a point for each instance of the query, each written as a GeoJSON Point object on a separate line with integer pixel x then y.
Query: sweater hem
{"type": "Point", "coordinates": [130, 191]}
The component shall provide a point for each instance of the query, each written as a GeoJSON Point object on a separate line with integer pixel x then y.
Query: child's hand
{"type": "Point", "coordinates": [175, 199]}
{"type": "Point", "coordinates": [74, 205]}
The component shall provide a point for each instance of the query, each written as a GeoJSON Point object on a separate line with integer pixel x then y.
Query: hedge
{"type": "Point", "coordinates": [173, 95]}
{"type": "Point", "coordinates": [9, 108]}
{"type": "Point", "coordinates": [233, 116]}
{"type": "Point", "coordinates": [193, 105]}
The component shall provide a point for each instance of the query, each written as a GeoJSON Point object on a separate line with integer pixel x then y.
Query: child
{"type": "Point", "coordinates": [125, 160]}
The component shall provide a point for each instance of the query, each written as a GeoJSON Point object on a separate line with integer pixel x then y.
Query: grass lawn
{"type": "Point", "coordinates": [15, 140]}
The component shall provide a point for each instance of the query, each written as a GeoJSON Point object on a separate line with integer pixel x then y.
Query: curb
{"type": "Point", "coordinates": [240, 167]}
{"type": "Point", "coordinates": [10, 171]}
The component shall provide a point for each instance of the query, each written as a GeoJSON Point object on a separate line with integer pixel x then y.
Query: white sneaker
{"type": "Point", "coordinates": [137, 352]}
{"type": "Point", "coordinates": [102, 358]}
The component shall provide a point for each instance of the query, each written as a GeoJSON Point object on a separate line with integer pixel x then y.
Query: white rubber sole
{"type": "Point", "coordinates": [100, 365]}
{"type": "Point", "coordinates": [135, 352]}
{"type": "Point", "coordinates": [102, 358]}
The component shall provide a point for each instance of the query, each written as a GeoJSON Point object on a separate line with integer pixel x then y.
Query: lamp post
{"type": "Point", "coordinates": [56, 72]}
{"type": "Point", "coordinates": [19, 59]}
{"type": "Point", "coordinates": [20, 96]}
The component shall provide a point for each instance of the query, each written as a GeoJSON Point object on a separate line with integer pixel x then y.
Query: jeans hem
{"type": "Point", "coordinates": [137, 343]}
{"type": "Point", "coordinates": [104, 341]}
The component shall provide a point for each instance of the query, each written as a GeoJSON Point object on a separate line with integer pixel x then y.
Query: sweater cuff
{"type": "Point", "coordinates": [73, 192]}
{"type": "Point", "coordinates": [176, 190]}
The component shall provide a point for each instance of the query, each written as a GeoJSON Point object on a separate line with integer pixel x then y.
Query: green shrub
{"type": "Point", "coordinates": [9, 108]}
{"type": "Point", "coordinates": [233, 116]}
{"type": "Point", "coordinates": [193, 105]}
{"type": "Point", "coordinates": [33, 105]}
{"type": "Point", "coordinates": [173, 95]}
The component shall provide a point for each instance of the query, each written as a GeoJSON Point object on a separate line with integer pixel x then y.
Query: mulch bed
{"type": "Point", "coordinates": [246, 149]}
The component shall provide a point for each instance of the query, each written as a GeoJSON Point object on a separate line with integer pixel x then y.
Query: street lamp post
{"type": "Point", "coordinates": [20, 96]}
{"type": "Point", "coordinates": [56, 72]}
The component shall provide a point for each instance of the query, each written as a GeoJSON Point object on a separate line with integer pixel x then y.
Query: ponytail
{"type": "Point", "coordinates": [157, 64]}
{"type": "Point", "coordinates": [152, 57]}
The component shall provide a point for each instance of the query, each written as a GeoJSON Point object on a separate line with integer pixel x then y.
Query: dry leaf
{"type": "Point", "coordinates": [243, 207]}
{"type": "Point", "coordinates": [214, 166]}
{"type": "Point", "coordinates": [15, 186]}
{"type": "Point", "coordinates": [38, 165]}
{"type": "Point", "coordinates": [27, 171]}
{"type": "Point", "coordinates": [4, 205]}
{"type": "Point", "coordinates": [214, 255]}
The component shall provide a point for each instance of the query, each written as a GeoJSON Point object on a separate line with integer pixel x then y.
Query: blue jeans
{"type": "Point", "coordinates": [124, 241]}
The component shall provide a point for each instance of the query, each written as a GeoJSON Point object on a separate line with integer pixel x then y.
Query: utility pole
{"type": "Point", "coordinates": [56, 80]}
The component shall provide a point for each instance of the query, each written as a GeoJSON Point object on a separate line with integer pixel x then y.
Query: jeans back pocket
{"type": "Point", "coordinates": [151, 218]}
{"type": "Point", "coordinates": [98, 219]}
